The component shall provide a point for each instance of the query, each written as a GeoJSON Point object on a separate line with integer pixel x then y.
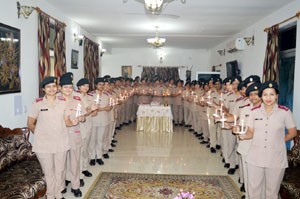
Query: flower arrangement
{"type": "Point", "coordinates": [187, 195]}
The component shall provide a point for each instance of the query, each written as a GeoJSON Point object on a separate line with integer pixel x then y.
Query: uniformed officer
{"type": "Point", "coordinates": [76, 112]}
{"type": "Point", "coordinates": [267, 158]}
{"type": "Point", "coordinates": [178, 103]}
{"type": "Point", "coordinates": [48, 120]}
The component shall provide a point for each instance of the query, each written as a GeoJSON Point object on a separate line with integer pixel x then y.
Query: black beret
{"type": "Point", "coordinates": [268, 84]}
{"type": "Point", "coordinates": [205, 83]}
{"type": "Point", "coordinates": [252, 78]}
{"type": "Point", "coordinates": [48, 80]}
{"type": "Point", "coordinates": [236, 78]}
{"type": "Point", "coordinates": [227, 79]}
{"type": "Point", "coordinates": [65, 80]}
{"type": "Point", "coordinates": [253, 87]}
{"type": "Point", "coordinates": [68, 74]}
{"type": "Point", "coordinates": [187, 83]}
{"type": "Point", "coordinates": [100, 80]}
{"type": "Point", "coordinates": [197, 83]}
{"type": "Point", "coordinates": [241, 85]}
{"type": "Point", "coordinates": [82, 81]}
{"type": "Point", "coordinates": [217, 80]}
{"type": "Point", "coordinates": [107, 77]}
{"type": "Point", "coordinates": [112, 80]}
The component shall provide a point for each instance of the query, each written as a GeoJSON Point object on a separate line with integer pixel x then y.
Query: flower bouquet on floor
{"type": "Point", "coordinates": [185, 195]}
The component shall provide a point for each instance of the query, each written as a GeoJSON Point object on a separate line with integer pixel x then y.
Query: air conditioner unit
{"type": "Point", "coordinates": [236, 45]}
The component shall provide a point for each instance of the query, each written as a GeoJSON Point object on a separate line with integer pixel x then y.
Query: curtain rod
{"type": "Point", "coordinates": [40, 11]}
{"type": "Point", "coordinates": [162, 66]}
{"type": "Point", "coordinates": [296, 15]}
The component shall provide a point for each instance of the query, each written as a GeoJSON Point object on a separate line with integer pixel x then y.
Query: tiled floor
{"type": "Point", "coordinates": [158, 153]}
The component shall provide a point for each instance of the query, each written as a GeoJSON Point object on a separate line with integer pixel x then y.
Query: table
{"type": "Point", "coordinates": [154, 118]}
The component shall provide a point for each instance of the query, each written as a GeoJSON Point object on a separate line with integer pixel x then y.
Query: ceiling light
{"type": "Point", "coordinates": [24, 11]}
{"type": "Point", "coordinates": [156, 41]}
{"type": "Point", "coordinates": [153, 5]}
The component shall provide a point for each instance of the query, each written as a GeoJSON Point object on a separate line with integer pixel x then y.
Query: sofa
{"type": "Point", "coordinates": [21, 175]}
{"type": "Point", "coordinates": [290, 186]}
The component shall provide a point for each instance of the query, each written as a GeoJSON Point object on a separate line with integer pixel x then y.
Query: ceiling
{"type": "Point", "coordinates": [197, 24]}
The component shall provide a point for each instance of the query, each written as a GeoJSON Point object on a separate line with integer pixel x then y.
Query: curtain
{"type": "Point", "coordinates": [59, 49]}
{"type": "Point", "coordinates": [162, 73]}
{"type": "Point", "coordinates": [91, 61]}
{"type": "Point", "coordinates": [43, 50]}
{"type": "Point", "coordinates": [271, 63]}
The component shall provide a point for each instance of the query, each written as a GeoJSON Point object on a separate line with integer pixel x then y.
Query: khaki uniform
{"type": "Point", "coordinates": [214, 130]}
{"type": "Point", "coordinates": [267, 156]}
{"type": "Point", "coordinates": [143, 95]}
{"type": "Point", "coordinates": [185, 96]}
{"type": "Point", "coordinates": [157, 93]}
{"type": "Point", "coordinates": [204, 119]}
{"type": "Point", "coordinates": [178, 105]}
{"type": "Point", "coordinates": [51, 142]}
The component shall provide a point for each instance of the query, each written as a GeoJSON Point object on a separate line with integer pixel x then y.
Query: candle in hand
{"type": "Point", "coordinates": [234, 124]}
{"type": "Point", "coordinates": [78, 110]}
{"type": "Point", "coordinates": [97, 99]}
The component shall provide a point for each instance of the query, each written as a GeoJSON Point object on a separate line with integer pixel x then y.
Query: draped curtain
{"type": "Point", "coordinates": [59, 49]}
{"type": "Point", "coordinates": [271, 63]}
{"type": "Point", "coordinates": [91, 61]}
{"type": "Point", "coordinates": [44, 53]}
{"type": "Point", "coordinates": [161, 73]}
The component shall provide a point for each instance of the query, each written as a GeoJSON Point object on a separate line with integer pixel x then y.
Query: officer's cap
{"type": "Point", "coordinates": [241, 85]}
{"type": "Point", "coordinates": [65, 80]}
{"type": "Point", "coordinates": [100, 80]}
{"type": "Point", "coordinates": [218, 80]}
{"type": "Point", "coordinates": [48, 80]}
{"type": "Point", "coordinates": [82, 81]}
{"type": "Point", "coordinates": [205, 83]}
{"type": "Point", "coordinates": [252, 78]}
{"type": "Point", "coordinates": [227, 79]}
{"type": "Point", "coordinates": [268, 84]}
{"type": "Point", "coordinates": [68, 74]}
{"type": "Point", "coordinates": [253, 87]}
{"type": "Point", "coordinates": [236, 78]}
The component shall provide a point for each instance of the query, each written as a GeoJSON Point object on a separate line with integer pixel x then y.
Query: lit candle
{"type": "Point", "coordinates": [110, 102]}
{"type": "Point", "coordinates": [216, 111]}
{"type": "Point", "coordinates": [223, 120]}
{"type": "Point", "coordinates": [234, 116]}
{"type": "Point", "coordinates": [78, 110]}
{"type": "Point", "coordinates": [221, 98]}
{"type": "Point", "coordinates": [208, 119]}
{"type": "Point", "coordinates": [97, 99]}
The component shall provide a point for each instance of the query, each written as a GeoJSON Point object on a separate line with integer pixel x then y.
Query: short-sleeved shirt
{"type": "Point", "coordinates": [103, 118]}
{"type": "Point", "coordinates": [268, 144]}
{"type": "Point", "coordinates": [50, 134]}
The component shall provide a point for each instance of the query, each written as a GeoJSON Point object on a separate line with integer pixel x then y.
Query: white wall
{"type": "Point", "coordinates": [29, 57]}
{"type": "Point", "coordinates": [251, 60]}
{"type": "Point", "coordinates": [111, 64]}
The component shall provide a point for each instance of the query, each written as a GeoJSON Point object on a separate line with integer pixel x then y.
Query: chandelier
{"type": "Point", "coordinates": [156, 41]}
{"type": "Point", "coordinates": [153, 5]}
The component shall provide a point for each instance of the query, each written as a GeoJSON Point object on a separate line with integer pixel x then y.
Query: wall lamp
{"type": "Point", "coordinates": [221, 52]}
{"type": "Point", "coordinates": [249, 40]}
{"type": "Point", "coordinates": [24, 11]}
{"type": "Point", "coordinates": [103, 50]}
{"type": "Point", "coordinates": [78, 38]}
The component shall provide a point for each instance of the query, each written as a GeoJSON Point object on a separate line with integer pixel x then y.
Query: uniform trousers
{"type": "Point", "coordinates": [196, 125]}
{"type": "Point", "coordinates": [96, 144]}
{"type": "Point", "coordinates": [212, 131]}
{"type": "Point", "coordinates": [260, 177]}
{"type": "Point", "coordinates": [122, 113]}
{"type": "Point", "coordinates": [134, 110]}
{"type": "Point", "coordinates": [241, 166]}
{"type": "Point", "coordinates": [53, 166]}
{"type": "Point", "coordinates": [190, 116]}
{"type": "Point", "coordinates": [106, 139]}
{"type": "Point", "coordinates": [229, 148]}
{"type": "Point", "coordinates": [73, 167]}
{"type": "Point", "coordinates": [178, 113]}
{"type": "Point", "coordinates": [185, 114]}
{"type": "Point", "coordinates": [128, 107]}
{"type": "Point", "coordinates": [205, 129]}
{"type": "Point", "coordinates": [84, 158]}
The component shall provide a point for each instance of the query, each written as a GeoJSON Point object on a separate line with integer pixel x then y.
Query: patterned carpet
{"type": "Point", "coordinates": [146, 186]}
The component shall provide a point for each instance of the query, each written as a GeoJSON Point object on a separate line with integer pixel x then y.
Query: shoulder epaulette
{"type": "Point", "coordinates": [61, 98]}
{"type": "Point", "coordinates": [90, 94]}
{"type": "Point", "coordinates": [77, 91]}
{"type": "Point", "coordinates": [38, 99]}
{"type": "Point", "coordinates": [76, 98]}
{"type": "Point", "coordinates": [244, 106]}
{"type": "Point", "coordinates": [283, 107]}
{"type": "Point", "coordinates": [230, 93]}
{"type": "Point", "coordinates": [256, 107]}
{"type": "Point", "coordinates": [239, 99]}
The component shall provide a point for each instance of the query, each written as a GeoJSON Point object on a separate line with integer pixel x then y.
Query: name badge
{"type": "Point", "coordinates": [258, 119]}
{"type": "Point", "coordinates": [44, 109]}
{"type": "Point", "coordinates": [247, 115]}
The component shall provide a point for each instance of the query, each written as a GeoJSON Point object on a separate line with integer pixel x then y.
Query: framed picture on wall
{"type": "Point", "coordinates": [127, 71]}
{"type": "Point", "coordinates": [10, 79]}
{"type": "Point", "coordinates": [74, 59]}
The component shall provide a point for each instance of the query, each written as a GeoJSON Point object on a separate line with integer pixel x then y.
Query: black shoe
{"type": "Point", "coordinates": [112, 145]}
{"type": "Point", "coordinates": [226, 165]}
{"type": "Point", "coordinates": [118, 128]}
{"type": "Point", "coordinates": [92, 162]}
{"type": "Point", "coordinates": [64, 191]}
{"type": "Point", "coordinates": [175, 124]}
{"type": "Point", "coordinates": [111, 150]}
{"type": "Point", "coordinates": [201, 138]}
{"type": "Point", "coordinates": [114, 141]}
{"type": "Point", "coordinates": [212, 150]}
{"type": "Point", "coordinates": [62, 198]}
{"type": "Point", "coordinates": [223, 160]}
{"type": "Point", "coordinates": [231, 171]}
{"type": "Point", "coordinates": [204, 142]}
{"type": "Point", "coordinates": [218, 147]}
{"type": "Point", "coordinates": [242, 189]}
{"type": "Point", "coordinates": [186, 125]}
{"type": "Point", "coordinates": [100, 162]}
{"type": "Point", "coordinates": [243, 197]}
{"type": "Point", "coordinates": [81, 183]}
{"type": "Point", "coordinates": [191, 130]}
{"type": "Point", "coordinates": [240, 181]}
{"type": "Point", "coordinates": [106, 156]}
{"type": "Point", "coordinates": [208, 146]}
{"type": "Point", "coordinates": [237, 166]}
{"type": "Point", "coordinates": [67, 182]}
{"type": "Point", "coordinates": [86, 173]}
{"type": "Point", "coordinates": [77, 192]}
